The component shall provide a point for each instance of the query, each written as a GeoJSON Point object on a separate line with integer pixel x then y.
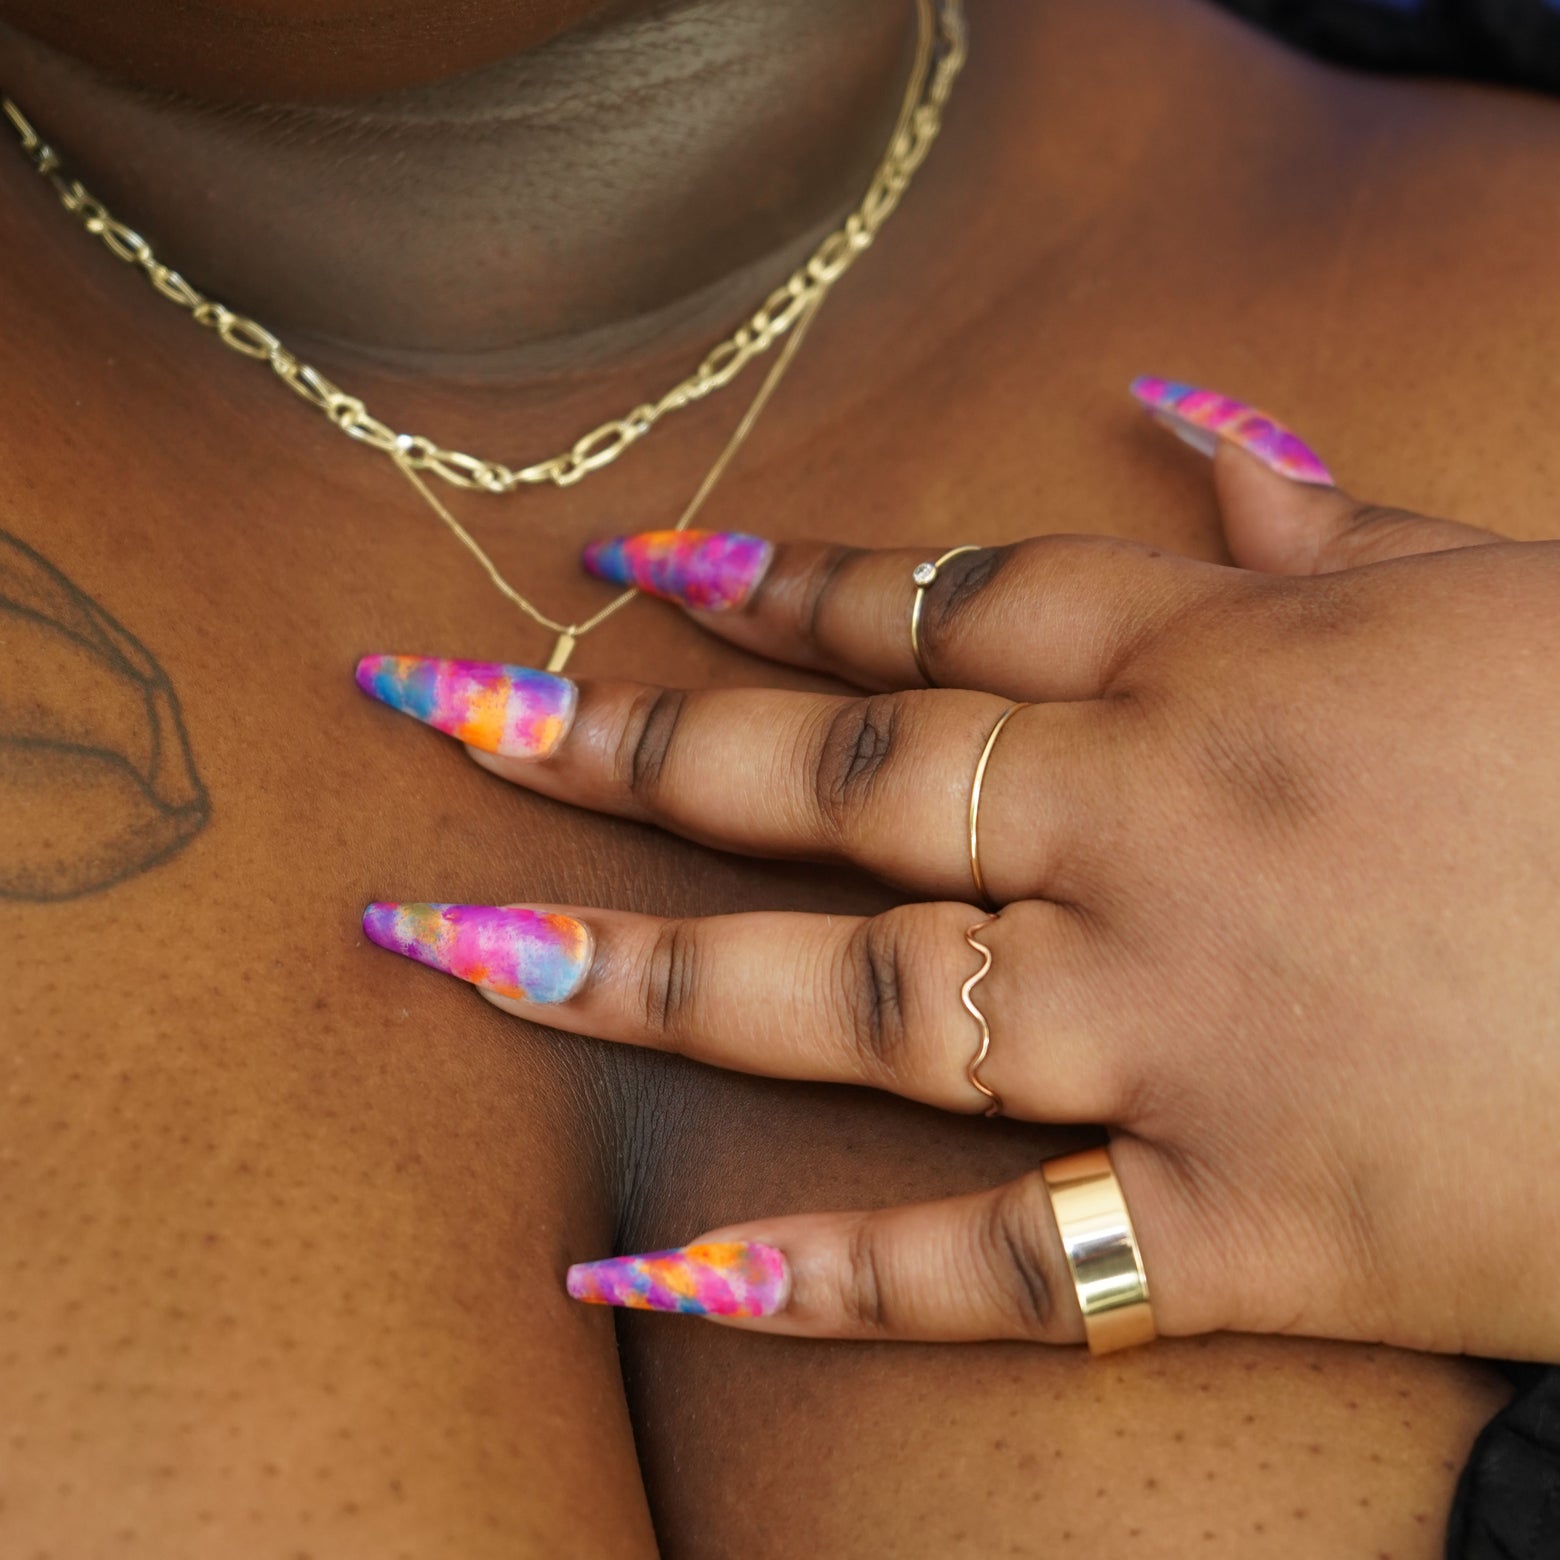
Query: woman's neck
{"type": "Point", "coordinates": [629, 179]}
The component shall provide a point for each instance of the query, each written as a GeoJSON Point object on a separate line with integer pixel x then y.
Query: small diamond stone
{"type": "Point", "coordinates": [925, 574]}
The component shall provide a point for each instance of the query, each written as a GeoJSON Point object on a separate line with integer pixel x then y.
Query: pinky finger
{"type": "Point", "coordinates": [989, 1265]}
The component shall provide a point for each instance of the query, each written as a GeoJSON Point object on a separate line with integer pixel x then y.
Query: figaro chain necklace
{"type": "Point", "coordinates": [785, 314]}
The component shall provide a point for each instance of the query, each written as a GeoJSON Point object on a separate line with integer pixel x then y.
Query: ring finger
{"type": "Point", "coordinates": [875, 1001]}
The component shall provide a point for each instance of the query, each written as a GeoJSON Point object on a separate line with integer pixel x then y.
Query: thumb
{"type": "Point", "coordinates": [1282, 512]}
{"type": "Point", "coordinates": [1281, 526]}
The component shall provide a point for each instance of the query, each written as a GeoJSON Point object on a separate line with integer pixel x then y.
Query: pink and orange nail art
{"type": "Point", "coordinates": [529, 955]}
{"type": "Point", "coordinates": [711, 1278]}
{"type": "Point", "coordinates": [713, 571]}
{"type": "Point", "coordinates": [1203, 417]}
{"type": "Point", "coordinates": [515, 711]}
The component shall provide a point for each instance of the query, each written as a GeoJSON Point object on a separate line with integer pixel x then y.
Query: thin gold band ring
{"type": "Point", "coordinates": [981, 892]}
{"type": "Point", "coordinates": [925, 576]}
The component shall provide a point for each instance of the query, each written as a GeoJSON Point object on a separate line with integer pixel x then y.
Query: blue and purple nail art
{"type": "Point", "coordinates": [516, 711]}
{"type": "Point", "coordinates": [736, 1278]}
{"type": "Point", "coordinates": [1202, 417]}
{"type": "Point", "coordinates": [528, 955]}
{"type": "Point", "coordinates": [712, 571]}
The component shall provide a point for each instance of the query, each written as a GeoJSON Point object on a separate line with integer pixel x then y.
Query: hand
{"type": "Point", "coordinates": [1279, 851]}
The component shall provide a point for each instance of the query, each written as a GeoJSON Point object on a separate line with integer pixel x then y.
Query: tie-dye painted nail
{"type": "Point", "coordinates": [1203, 417]}
{"type": "Point", "coordinates": [516, 711]}
{"type": "Point", "coordinates": [529, 955]}
{"type": "Point", "coordinates": [711, 1278]}
{"type": "Point", "coordinates": [714, 571]}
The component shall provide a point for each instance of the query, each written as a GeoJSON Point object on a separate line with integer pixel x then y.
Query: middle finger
{"type": "Point", "coordinates": [883, 781]}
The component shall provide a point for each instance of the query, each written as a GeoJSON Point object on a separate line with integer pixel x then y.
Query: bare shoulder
{"type": "Point", "coordinates": [1428, 289]}
{"type": "Point", "coordinates": [1158, 188]}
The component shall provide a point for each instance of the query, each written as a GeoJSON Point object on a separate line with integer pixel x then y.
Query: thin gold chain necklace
{"type": "Point", "coordinates": [786, 313]}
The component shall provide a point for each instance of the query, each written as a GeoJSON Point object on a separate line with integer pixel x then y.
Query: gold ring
{"type": "Point", "coordinates": [1102, 1251]}
{"type": "Point", "coordinates": [925, 576]}
{"type": "Point", "coordinates": [972, 1072]}
{"type": "Point", "coordinates": [980, 779]}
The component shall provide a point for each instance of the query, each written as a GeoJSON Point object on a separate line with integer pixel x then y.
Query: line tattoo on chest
{"type": "Point", "coordinates": [97, 781]}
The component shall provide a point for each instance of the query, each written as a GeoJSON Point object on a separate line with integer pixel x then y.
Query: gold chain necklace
{"type": "Point", "coordinates": [787, 312]}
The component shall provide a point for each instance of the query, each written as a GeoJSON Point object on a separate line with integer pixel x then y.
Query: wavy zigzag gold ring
{"type": "Point", "coordinates": [972, 1072]}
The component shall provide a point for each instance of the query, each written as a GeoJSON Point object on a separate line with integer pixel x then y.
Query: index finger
{"type": "Point", "coordinates": [1051, 618]}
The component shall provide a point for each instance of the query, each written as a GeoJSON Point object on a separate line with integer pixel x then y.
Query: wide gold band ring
{"type": "Point", "coordinates": [925, 576]}
{"type": "Point", "coordinates": [1102, 1251]}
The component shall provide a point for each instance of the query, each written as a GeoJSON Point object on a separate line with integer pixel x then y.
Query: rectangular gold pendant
{"type": "Point", "coordinates": [561, 652]}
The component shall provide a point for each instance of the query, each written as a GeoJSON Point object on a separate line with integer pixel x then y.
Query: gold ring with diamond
{"type": "Point", "coordinates": [925, 576]}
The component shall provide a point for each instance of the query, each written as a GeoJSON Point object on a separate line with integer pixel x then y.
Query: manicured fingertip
{"type": "Point", "coordinates": [528, 955]}
{"type": "Point", "coordinates": [730, 1279]}
{"type": "Point", "coordinates": [1202, 418]}
{"type": "Point", "coordinates": [709, 571]}
{"type": "Point", "coordinates": [514, 711]}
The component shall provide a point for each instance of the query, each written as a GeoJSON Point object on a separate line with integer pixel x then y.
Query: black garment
{"type": "Point", "coordinates": [1508, 1503]}
{"type": "Point", "coordinates": [1508, 1500]}
{"type": "Point", "coordinates": [1495, 40]}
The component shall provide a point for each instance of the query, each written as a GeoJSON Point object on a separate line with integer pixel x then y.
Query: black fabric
{"type": "Point", "coordinates": [1496, 40]}
{"type": "Point", "coordinates": [1508, 1499]}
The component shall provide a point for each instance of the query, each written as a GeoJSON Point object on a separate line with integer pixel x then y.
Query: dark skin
{"type": "Point", "coordinates": [285, 1220]}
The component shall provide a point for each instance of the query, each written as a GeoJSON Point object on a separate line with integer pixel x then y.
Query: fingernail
{"type": "Point", "coordinates": [530, 955]}
{"type": "Point", "coordinates": [1203, 417]}
{"type": "Point", "coordinates": [713, 1278]}
{"type": "Point", "coordinates": [513, 710]}
{"type": "Point", "coordinates": [714, 571]}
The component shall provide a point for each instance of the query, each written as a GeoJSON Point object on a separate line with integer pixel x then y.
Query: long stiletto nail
{"type": "Point", "coordinates": [513, 710]}
{"type": "Point", "coordinates": [1203, 417]}
{"type": "Point", "coordinates": [530, 955]}
{"type": "Point", "coordinates": [714, 571]}
{"type": "Point", "coordinates": [712, 1278]}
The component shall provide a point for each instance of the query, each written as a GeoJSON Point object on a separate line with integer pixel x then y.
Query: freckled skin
{"type": "Point", "coordinates": [283, 1220]}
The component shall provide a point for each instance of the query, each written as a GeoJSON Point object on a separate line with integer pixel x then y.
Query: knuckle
{"type": "Point", "coordinates": [1066, 569]}
{"type": "Point", "coordinates": [1305, 609]}
{"type": "Point", "coordinates": [1367, 533]}
{"type": "Point", "coordinates": [669, 985]}
{"type": "Point", "coordinates": [1260, 771]}
{"type": "Point", "coordinates": [875, 998]}
{"type": "Point", "coordinates": [947, 612]}
{"type": "Point", "coordinates": [1013, 1241]}
{"type": "Point", "coordinates": [646, 742]}
{"type": "Point", "coordinates": [1060, 563]}
{"type": "Point", "coordinates": [818, 589]}
{"type": "Point", "coordinates": [1380, 525]}
{"type": "Point", "coordinates": [862, 1301]}
{"type": "Point", "coordinates": [857, 742]}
